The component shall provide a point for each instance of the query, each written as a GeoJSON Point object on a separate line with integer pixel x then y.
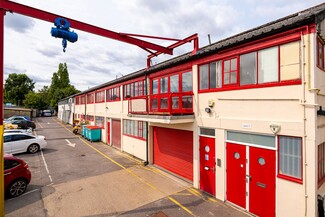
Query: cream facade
{"type": "Point", "coordinates": [242, 119]}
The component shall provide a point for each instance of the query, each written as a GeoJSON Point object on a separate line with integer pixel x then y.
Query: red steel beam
{"type": "Point", "coordinates": [177, 44]}
{"type": "Point", "coordinates": [50, 17]}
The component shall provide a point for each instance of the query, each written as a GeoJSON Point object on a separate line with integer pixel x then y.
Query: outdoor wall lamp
{"type": "Point", "coordinates": [321, 111]}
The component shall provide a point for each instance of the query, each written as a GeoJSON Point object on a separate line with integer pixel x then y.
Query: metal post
{"type": "Point", "coordinates": [2, 206]}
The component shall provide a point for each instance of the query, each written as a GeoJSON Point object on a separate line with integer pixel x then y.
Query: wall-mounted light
{"type": "Point", "coordinates": [321, 111]}
{"type": "Point", "coordinates": [207, 110]}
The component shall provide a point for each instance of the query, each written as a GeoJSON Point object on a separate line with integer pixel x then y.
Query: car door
{"type": "Point", "coordinates": [9, 171]}
{"type": "Point", "coordinates": [20, 143]}
{"type": "Point", "coordinates": [7, 143]}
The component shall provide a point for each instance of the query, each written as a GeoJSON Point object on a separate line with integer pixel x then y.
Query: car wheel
{"type": "Point", "coordinates": [17, 188]}
{"type": "Point", "coordinates": [33, 148]}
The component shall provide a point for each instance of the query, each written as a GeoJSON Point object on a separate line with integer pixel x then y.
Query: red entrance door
{"type": "Point", "coordinates": [207, 165]}
{"type": "Point", "coordinates": [108, 132]}
{"type": "Point", "coordinates": [116, 134]}
{"type": "Point", "coordinates": [262, 183]}
{"type": "Point", "coordinates": [236, 174]}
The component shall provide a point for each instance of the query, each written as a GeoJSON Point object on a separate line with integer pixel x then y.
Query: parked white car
{"type": "Point", "coordinates": [22, 142]}
{"type": "Point", "coordinates": [29, 131]}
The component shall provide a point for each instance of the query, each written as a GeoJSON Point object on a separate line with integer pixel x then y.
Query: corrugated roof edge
{"type": "Point", "coordinates": [313, 14]}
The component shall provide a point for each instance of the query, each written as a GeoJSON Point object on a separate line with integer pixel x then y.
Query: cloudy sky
{"type": "Point", "coordinates": [93, 60]}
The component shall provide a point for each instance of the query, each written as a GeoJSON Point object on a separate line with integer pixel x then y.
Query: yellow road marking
{"type": "Point", "coordinates": [131, 173]}
{"type": "Point", "coordinates": [194, 192]}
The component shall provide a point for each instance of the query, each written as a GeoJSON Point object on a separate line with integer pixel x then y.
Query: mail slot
{"type": "Point", "coordinates": [261, 185]}
{"type": "Point", "coordinates": [206, 168]}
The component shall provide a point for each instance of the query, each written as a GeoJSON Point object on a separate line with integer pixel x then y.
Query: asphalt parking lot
{"type": "Point", "coordinates": [74, 177]}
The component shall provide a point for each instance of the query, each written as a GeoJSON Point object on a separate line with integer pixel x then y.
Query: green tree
{"type": "Point", "coordinates": [37, 100]}
{"type": "Point", "coordinates": [16, 87]}
{"type": "Point", "coordinates": [60, 86]}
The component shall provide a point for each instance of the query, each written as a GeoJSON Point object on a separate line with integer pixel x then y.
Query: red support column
{"type": "Point", "coordinates": [2, 208]}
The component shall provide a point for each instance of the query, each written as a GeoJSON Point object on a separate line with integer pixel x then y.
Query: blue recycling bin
{"type": "Point", "coordinates": [93, 133]}
{"type": "Point", "coordinates": [84, 129]}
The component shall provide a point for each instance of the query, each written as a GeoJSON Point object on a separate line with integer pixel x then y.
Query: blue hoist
{"type": "Point", "coordinates": [62, 30]}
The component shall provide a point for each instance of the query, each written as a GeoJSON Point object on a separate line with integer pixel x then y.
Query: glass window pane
{"type": "Point", "coordinates": [226, 66]}
{"type": "Point", "coordinates": [268, 63]}
{"type": "Point", "coordinates": [234, 64]}
{"type": "Point", "coordinates": [218, 74]}
{"type": "Point", "coordinates": [187, 102]}
{"type": "Point", "coordinates": [155, 87]}
{"type": "Point", "coordinates": [154, 104]}
{"type": "Point", "coordinates": [248, 68]}
{"type": "Point", "coordinates": [144, 130]}
{"type": "Point", "coordinates": [233, 78]}
{"type": "Point", "coordinates": [174, 84]}
{"type": "Point", "coordinates": [207, 132]}
{"type": "Point", "coordinates": [290, 156]}
{"type": "Point", "coordinates": [187, 82]}
{"type": "Point", "coordinates": [136, 89]}
{"type": "Point", "coordinates": [226, 78]}
{"type": "Point", "coordinates": [175, 102]}
{"type": "Point", "coordinates": [204, 77]}
{"type": "Point", "coordinates": [164, 85]}
{"type": "Point", "coordinates": [164, 103]}
{"type": "Point", "coordinates": [213, 75]}
{"type": "Point", "coordinates": [261, 140]}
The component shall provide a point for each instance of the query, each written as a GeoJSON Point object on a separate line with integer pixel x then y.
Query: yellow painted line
{"type": "Point", "coordinates": [206, 198]}
{"type": "Point", "coordinates": [180, 205]}
{"type": "Point", "coordinates": [194, 192]}
{"type": "Point", "coordinates": [133, 174]}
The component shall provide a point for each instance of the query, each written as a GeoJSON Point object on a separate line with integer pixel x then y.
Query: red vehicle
{"type": "Point", "coordinates": [16, 176]}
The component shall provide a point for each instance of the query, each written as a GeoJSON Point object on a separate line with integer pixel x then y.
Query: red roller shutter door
{"type": "Point", "coordinates": [116, 134]}
{"type": "Point", "coordinates": [173, 151]}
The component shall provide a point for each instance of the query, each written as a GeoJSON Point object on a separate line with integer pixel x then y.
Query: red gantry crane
{"type": "Point", "coordinates": [12, 7]}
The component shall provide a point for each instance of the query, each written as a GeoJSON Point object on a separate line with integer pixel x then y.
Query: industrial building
{"type": "Point", "coordinates": [243, 119]}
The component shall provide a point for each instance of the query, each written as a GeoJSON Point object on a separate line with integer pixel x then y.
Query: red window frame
{"type": "Point", "coordinates": [268, 42]}
{"type": "Point", "coordinates": [134, 89]}
{"type": "Point", "coordinates": [102, 125]}
{"type": "Point", "coordinates": [320, 54]}
{"type": "Point", "coordinates": [77, 100]}
{"type": "Point", "coordinates": [231, 71]}
{"type": "Point", "coordinates": [139, 130]}
{"type": "Point", "coordinates": [321, 164]}
{"type": "Point", "coordinates": [113, 94]}
{"type": "Point", "coordinates": [90, 117]}
{"type": "Point", "coordinates": [90, 98]}
{"type": "Point", "coordinates": [83, 99]}
{"type": "Point", "coordinates": [180, 79]}
{"type": "Point", "coordinates": [100, 96]}
{"type": "Point", "coordinates": [288, 177]}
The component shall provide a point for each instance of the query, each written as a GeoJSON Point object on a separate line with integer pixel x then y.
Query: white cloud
{"type": "Point", "coordinates": [93, 59]}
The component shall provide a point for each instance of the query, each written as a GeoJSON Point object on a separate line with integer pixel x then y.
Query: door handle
{"type": "Point", "coordinates": [7, 173]}
{"type": "Point", "coordinates": [248, 178]}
